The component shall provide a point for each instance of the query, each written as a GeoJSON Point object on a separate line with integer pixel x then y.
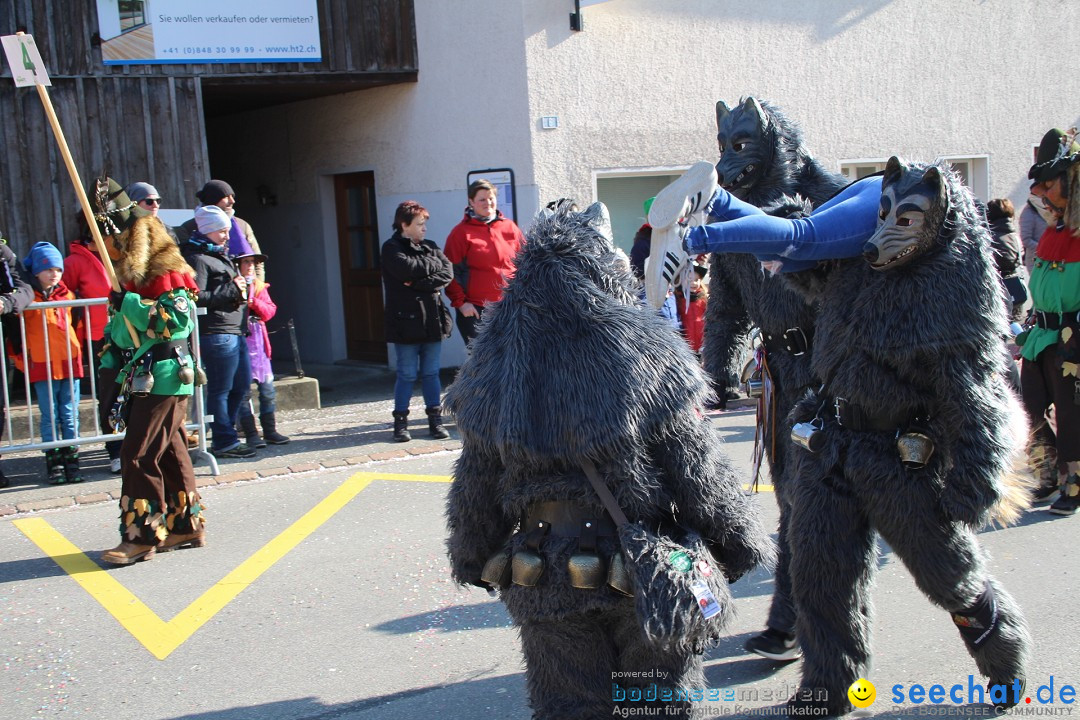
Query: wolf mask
{"type": "Point", "coordinates": [913, 211]}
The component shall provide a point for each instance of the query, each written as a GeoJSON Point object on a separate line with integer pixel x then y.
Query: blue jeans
{"type": "Point", "coordinates": [836, 229]}
{"type": "Point", "coordinates": [61, 401]}
{"type": "Point", "coordinates": [228, 377]}
{"type": "Point", "coordinates": [267, 399]}
{"type": "Point", "coordinates": [411, 359]}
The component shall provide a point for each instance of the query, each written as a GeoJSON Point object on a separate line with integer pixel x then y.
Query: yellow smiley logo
{"type": "Point", "coordinates": [862, 693]}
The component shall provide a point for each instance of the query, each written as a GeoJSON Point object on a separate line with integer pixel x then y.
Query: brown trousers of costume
{"type": "Point", "coordinates": [1044, 385]}
{"type": "Point", "coordinates": [154, 457]}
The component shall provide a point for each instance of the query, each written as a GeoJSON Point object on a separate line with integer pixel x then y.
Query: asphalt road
{"type": "Point", "coordinates": [326, 595]}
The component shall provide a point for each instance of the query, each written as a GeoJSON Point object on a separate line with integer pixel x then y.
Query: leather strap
{"type": "Point", "coordinates": [609, 501]}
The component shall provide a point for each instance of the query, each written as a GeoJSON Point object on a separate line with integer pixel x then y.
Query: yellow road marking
{"type": "Point", "coordinates": [158, 636]}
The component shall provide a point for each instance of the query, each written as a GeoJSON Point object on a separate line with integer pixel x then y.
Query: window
{"type": "Point", "coordinates": [973, 169]}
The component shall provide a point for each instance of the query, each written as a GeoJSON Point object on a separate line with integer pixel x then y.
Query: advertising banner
{"type": "Point", "coordinates": [142, 32]}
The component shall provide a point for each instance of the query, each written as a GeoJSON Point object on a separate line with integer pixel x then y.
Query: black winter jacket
{"type": "Point", "coordinates": [226, 310]}
{"type": "Point", "coordinates": [414, 276]}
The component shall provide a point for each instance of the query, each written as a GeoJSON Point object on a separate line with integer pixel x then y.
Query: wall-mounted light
{"type": "Point", "coordinates": [265, 196]}
{"type": "Point", "coordinates": [577, 20]}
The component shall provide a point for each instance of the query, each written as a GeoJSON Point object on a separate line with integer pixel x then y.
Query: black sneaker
{"type": "Point", "coordinates": [1043, 493]}
{"type": "Point", "coordinates": [1065, 505]}
{"type": "Point", "coordinates": [240, 450]}
{"type": "Point", "coordinates": [775, 645]}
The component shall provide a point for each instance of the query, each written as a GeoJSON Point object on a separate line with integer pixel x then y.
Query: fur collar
{"type": "Point", "coordinates": [149, 252]}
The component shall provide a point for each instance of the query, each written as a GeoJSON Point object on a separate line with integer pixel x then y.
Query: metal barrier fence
{"type": "Point", "coordinates": [197, 417]}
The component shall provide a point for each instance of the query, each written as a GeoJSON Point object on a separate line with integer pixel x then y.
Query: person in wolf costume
{"type": "Point", "coordinates": [764, 162]}
{"type": "Point", "coordinates": [569, 369]}
{"type": "Point", "coordinates": [147, 339]}
{"type": "Point", "coordinates": [912, 433]}
{"type": "Point", "coordinates": [1051, 347]}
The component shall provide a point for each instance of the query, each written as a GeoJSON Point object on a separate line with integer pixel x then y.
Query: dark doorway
{"type": "Point", "coordinates": [361, 278]}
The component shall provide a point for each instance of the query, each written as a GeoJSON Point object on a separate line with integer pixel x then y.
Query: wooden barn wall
{"type": "Point", "coordinates": [148, 128]}
{"type": "Point", "coordinates": [145, 122]}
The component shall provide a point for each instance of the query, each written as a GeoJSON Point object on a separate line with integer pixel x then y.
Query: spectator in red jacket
{"type": "Point", "coordinates": [692, 314]}
{"type": "Point", "coordinates": [481, 248]}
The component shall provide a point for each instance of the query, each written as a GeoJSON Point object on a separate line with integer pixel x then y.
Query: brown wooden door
{"type": "Point", "coordinates": [361, 278]}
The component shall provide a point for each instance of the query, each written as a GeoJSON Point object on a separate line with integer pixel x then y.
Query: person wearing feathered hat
{"type": "Point", "coordinates": [148, 332]}
{"type": "Point", "coordinates": [1050, 348]}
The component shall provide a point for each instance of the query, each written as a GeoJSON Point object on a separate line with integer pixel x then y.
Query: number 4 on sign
{"type": "Point", "coordinates": [24, 60]}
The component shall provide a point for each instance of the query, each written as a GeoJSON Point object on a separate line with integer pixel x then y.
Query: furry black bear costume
{"type": "Point", "coordinates": [741, 296]}
{"type": "Point", "coordinates": [568, 367]}
{"type": "Point", "coordinates": [892, 362]}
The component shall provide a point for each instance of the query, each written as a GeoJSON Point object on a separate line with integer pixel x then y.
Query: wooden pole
{"type": "Point", "coordinates": [80, 192]}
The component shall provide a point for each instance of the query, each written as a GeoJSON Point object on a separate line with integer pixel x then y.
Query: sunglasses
{"type": "Point", "coordinates": [151, 201]}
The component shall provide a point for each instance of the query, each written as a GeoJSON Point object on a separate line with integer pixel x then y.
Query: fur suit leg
{"type": "Point", "coordinates": [833, 553]}
{"type": "Point", "coordinates": [571, 664]}
{"type": "Point", "coordinates": [945, 559]}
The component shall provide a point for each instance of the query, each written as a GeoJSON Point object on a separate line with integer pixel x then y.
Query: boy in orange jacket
{"type": "Point", "coordinates": [54, 367]}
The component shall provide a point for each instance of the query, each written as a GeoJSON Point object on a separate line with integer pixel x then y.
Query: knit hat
{"type": "Point", "coordinates": [141, 191]}
{"type": "Point", "coordinates": [213, 191]}
{"type": "Point", "coordinates": [112, 206]}
{"type": "Point", "coordinates": [42, 257]}
{"type": "Point", "coordinates": [209, 218]}
{"type": "Point", "coordinates": [1058, 151]}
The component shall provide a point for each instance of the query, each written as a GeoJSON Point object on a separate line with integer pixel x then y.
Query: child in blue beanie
{"type": "Point", "coordinates": [54, 367]}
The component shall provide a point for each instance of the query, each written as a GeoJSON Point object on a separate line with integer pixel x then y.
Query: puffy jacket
{"type": "Point", "coordinates": [63, 337]}
{"type": "Point", "coordinates": [413, 276]}
{"type": "Point", "coordinates": [483, 258]}
{"type": "Point", "coordinates": [84, 274]}
{"type": "Point", "coordinates": [227, 313]}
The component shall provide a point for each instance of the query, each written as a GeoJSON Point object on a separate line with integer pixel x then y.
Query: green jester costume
{"type": "Point", "coordinates": [147, 334]}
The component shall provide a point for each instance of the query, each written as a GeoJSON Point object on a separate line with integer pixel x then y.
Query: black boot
{"type": "Point", "coordinates": [4, 482]}
{"type": "Point", "coordinates": [434, 421]}
{"type": "Point", "coordinates": [401, 426]}
{"type": "Point", "coordinates": [54, 466]}
{"type": "Point", "coordinates": [70, 458]}
{"type": "Point", "coordinates": [269, 426]}
{"type": "Point", "coordinates": [251, 433]}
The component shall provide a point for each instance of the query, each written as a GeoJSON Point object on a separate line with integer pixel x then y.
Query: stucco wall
{"type": "Point", "coordinates": [635, 92]}
{"type": "Point", "coordinates": [468, 111]}
{"type": "Point", "coordinates": [865, 79]}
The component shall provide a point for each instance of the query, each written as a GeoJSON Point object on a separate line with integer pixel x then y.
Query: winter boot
{"type": "Point", "coordinates": [997, 637]}
{"type": "Point", "coordinates": [4, 482]}
{"type": "Point", "coordinates": [251, 433]}
{"type": "Point", "coordinates": [269, 426]}
{"type": "Point", "coordinates": [54, 466]}
{"type": "Point", "coordinates": [70, 459]}
{"type": "Point", "coordinates": [435, 426]}
{"type": "Point", "coordinates": [1042, 459]}
{"type": "Point", "coordinates": [1069, 500]}
{"type": "Point", "coordinates": [401, 426]}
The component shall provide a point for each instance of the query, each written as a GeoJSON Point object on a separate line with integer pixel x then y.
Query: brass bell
{"type": "Point", "coordinates": [186, 375]}
{"type": "Point", "coordinates": [618, 578]}
{"type": "Point", "coordinates": [200, 377]}
{"type": "Point", "coordinates": [526, 568]}
{"type": "Point", "coordinates": [496, 572]}
{"type": "Point", "coordinates": [586, 571]}
{"type": "Point", "coordinates": [915, 449]}
{"type": "Point", "coordinates": [142, 384]}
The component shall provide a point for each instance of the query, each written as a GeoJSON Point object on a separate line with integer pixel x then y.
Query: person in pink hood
{"type": "Point", "coordinates": [261, 309]}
